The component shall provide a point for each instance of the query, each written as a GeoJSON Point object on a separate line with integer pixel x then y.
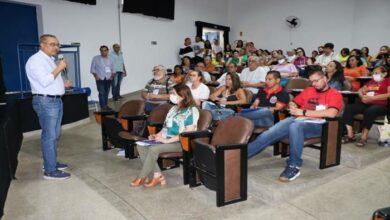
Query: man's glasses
{"type": "Point", "coordinates": [53, 44]}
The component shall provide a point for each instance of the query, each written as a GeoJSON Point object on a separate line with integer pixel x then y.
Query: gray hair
{"type": "Point", "coordinates": [43, 38]}
{"type": "Point", "coordinates": [161, 67]}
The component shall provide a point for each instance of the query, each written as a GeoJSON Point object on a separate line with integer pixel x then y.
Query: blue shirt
{"type": "Point", "coordinates": [118, 61]}
{"type": "Point", "coordinates": [102, 67]}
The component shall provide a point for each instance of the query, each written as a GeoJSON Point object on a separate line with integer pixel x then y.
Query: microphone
{"type": "Point", "coordinates": [64, 72]}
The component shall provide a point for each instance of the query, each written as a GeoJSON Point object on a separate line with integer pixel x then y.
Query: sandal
{"type": "Point", "coordinates": [361, 143]}
{"type": "Point", "coordinates": [347, 140]}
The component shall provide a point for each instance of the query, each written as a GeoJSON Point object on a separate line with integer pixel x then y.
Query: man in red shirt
{"type": "Point", "coordinates": [317, 101]}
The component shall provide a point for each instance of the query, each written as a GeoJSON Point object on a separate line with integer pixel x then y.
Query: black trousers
{"type": "Point", "coordinates": [370, 113]}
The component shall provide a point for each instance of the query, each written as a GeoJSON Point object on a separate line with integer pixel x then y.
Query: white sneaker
{"type": "Point", "coordinates": [121, 153]}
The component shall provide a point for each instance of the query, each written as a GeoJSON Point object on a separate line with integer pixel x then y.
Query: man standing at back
{"type": "Point", "coordinates": [102, 68]}
{"type": "Point", "coordinates": [47, 87]}
{"type": "Point", "coordinates": [119, 69]}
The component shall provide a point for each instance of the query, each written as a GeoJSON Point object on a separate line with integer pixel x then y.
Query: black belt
{"type": "Point", "coordinates": [50, 96]}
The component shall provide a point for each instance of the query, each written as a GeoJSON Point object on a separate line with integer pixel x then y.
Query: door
{"type": "Point", "coordinates": [18, 24]}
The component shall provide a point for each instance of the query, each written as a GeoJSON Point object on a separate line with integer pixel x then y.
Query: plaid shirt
{"type": "Point", "coordinates": [159, 87]}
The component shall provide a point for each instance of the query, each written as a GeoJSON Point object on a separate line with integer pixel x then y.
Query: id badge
{"type": "Point", "coordinates": [320, 107]}
{"type": "Point", "coordinates": [156, 91]}
{"type": "Point", "coordinates": [107, 69]}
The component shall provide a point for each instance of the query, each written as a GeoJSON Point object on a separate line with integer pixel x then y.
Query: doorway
{"type": "Point", "coordinates": [20, 21]}
{"type": "Point", "coordinates": [210, 32]}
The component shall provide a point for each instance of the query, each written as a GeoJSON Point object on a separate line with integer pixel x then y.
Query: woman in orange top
{"type": "Point", "coordinates": [354, 69]}
{"type": "Point", "coordinates": [210, 68]}
{"type": "Point", "coordinates": [178, 76]}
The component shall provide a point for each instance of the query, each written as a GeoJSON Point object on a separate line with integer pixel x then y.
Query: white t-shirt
{"type": "Point", "coordinates": [216, 49]}
{"type": "Point", "coordinates": [197, 47]}
{"type": "Point", "coordinates": [201, 93]}
{"type": "Point", "coordinates": [206, 76]}
{"type": "Point", "coordinates": [222, 79]}
{"type": "Point", "coordinates": [256, 76]}
{"type": "Point", "coordinates": [323, 60]}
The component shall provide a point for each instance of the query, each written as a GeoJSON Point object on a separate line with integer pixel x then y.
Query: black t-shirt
{"type": "Point", "coordinates": [268, 99]}
{"type": "Point", "coordinates": [185, 50]}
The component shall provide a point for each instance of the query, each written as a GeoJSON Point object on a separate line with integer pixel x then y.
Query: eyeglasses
{"type": "Point", "coordinates": [154, 70]}
{"type": "Point", "coordinates": [53, 44]}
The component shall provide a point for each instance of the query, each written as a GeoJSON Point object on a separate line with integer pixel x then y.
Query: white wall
{"type": "Point", "coordinates": [93, 26]}
{"type": "Point", "coordinates": [346, 23]}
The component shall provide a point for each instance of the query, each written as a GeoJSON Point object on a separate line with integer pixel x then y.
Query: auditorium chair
{"type": "Point", "coordinates": [185, 157]}
{"type": "Point", "coordinates": [329, 143]}
{"type": "Point", "coordinates": [154, 122]}
{"type": "Point", "coordinates": [127, 119]}
{"type": "Point", "coordinates": [221, 163]}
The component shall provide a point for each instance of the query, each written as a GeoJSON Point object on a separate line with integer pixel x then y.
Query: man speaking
{"type": "Point", "coordinates": [47, 87]}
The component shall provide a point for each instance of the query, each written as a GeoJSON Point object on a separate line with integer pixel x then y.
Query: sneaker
{"type": "Point", "coordinates": [290, 173]}
{"type": "Point", "coordinates": [62, 166]}
{"type": "Point", "coordinates": [56, 175]}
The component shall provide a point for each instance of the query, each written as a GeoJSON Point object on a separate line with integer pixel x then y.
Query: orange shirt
{"type": "Point", "coordinates": [210, 68]}
{"type": "Point", "coordinates": [177, 79]}
{"type": "Point", "coordinates": [355, 72]}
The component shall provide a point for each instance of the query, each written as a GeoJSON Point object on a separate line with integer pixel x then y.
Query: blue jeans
{"type": "Point", "coordinates": [261, 117]}
{"type": "Point", "coordinates": [217, 112]}
{"type": "Point", "coordinates": [295, 131]}
{"type": "Point", "coordinates": [103, 87]}
{"type": "Point", "coordinates": [116, 84]}
{"type": "Point", "coordinates": [49, 111]}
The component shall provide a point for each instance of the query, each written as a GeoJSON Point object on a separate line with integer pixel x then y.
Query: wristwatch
{"type": "Point", "coordinates": [304, 112]}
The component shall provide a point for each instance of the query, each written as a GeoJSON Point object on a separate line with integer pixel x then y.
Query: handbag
{"type": "Point", "coordinates": [384, 131]}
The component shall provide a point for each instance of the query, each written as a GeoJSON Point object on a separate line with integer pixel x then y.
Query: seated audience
{"type": "Point", "coordinates": [218, 61]}
{"type": "Point", "coordinates": [226, 98]}
{"type": "Point", "coordinates": [287, 70]}
{"type": "Point", "coordinates": [207, 48]}
{"type": "Point", "coordinates": [243, 56]}
{"type": "Point", "coordinates": [228, 51]}
{"type": "Point", "coordinates": [200, 92]}
{"type": "Point", "coordinates": [291, 55]}
{"type": "Point", "coordinates": [186, 64]}
{"type": "Point", "coordinates": [366, 56]}
{"type": "Point", "coordinates": [343, 57]}
{"type": "Point", "coordinates": [301, 61]}
{"type": "Point", "coordinates": [182, 117]}
{"type": "Point", "coordinates": [268, 100]}
{"type": "Point", "coordinates": [253, 76]}
{"type": "Point", "coordinates": [374, 97]}
{"type": "Point", "coordinates": [317, 101]}
{"type": "Point", "coordinates": [235, 59]}
{"type": "Point", "coordinates": [209, 67]}
{"type": "Point", "coordinates": [358, 53]}
{"type": "Point", "coordinates": [216, 48]}
{"type": "Point", "coordinates": [274, 58]}
{"type": "Point", "coordinates": [239, 45]}
{"type": "Point", "coordinates": [327, 56]}
{"type": "Point", "coordinates": [231, 68]}
{"type": "Point", "coordinates": [335, 75]}
{"type": "Point", "coordinates": [157, 90]}
{"type": "Point", "coordinates": [354, 69]}
{"type": "Point", "coordinates": [201, 67]}
{"type": "Point", "coordinates": [312, 59]}
{"type": "Point", "coordinates": [380, 59]}
{"type": "Point", "coordinates": [177, 76]}
{"type": "Point", "coordinates": [187, 49]}
{"type": "Point", "coordinates": [199, 48]}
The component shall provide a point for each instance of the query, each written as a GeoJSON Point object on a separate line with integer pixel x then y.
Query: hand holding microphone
{"type": "Point", "coordinates": [62, 63]}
